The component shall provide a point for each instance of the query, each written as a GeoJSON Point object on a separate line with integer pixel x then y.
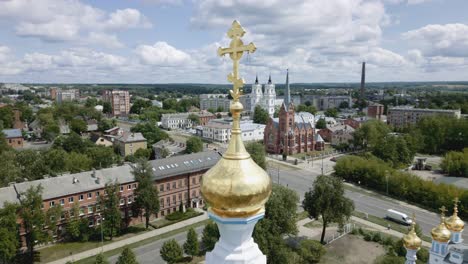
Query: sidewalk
{"type": "Point", "coordinates": [314, 232]}
{"type": "Point", "coordinates": [131, 240]}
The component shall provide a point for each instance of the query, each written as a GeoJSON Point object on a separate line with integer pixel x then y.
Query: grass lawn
{"type": "Point", "coordinates": [314, 152]}
{"type": "Point", "coordinates": [61, 250]}
{"type": "Point", "coordinates": [274, 164]}
{"type": "Point", "coordinates": [302, 215]}
{"type": "Point", "coordinates": [319, 223]}
{"type": "Point", "coordinates": [385, 222]}
{"type": "Point", "coordinates": [352, 249]}
{"type": "Point", "coordinates": [144, 242]}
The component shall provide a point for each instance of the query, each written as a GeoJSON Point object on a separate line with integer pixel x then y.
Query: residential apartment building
{"type": "Point", "coordinates": [130, 142]}
{"type": "Point", "coordinates": [324, 102]}
{"type": "Point", "coordinates": [67, 95]}
{"type": "Point", "coordinates": [13, 137]}
{"type": "Point", "coordinates": [220, 130]}
{"type": "Point", "coordinates": [215, 101]}
{"type": "Point", "coordinates": [182, 121]}
{"type": "Point", "coordinates": [406, 116]}
{"type": "Point", "coordinates": [177, 179]}
{"type": "Point", "coordinates": [375, 110]}
{"type": "Point", "coordinates": [120, 101]}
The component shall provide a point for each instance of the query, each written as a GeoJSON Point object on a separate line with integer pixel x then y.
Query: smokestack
{"type": "Point", "coordinates": [363, 82]}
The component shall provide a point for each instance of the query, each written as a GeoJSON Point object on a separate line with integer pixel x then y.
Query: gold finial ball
{"type": "Point", "coordinates": [236, 108]}
{"type": "Point", "coordinates": [441, 233]}
{"type": "Point", "coordinates": [455, 224]}
{"type": "Point", "coordinates": [236, 188]}
{"type": "Point", "coordinates": [412, 241]}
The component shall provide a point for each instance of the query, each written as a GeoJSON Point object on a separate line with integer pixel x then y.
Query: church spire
{"type": "Point", "coordinates": [287, 94]}
{"type": "Point", "coordinates": [269, 79]}
{"type": "Point", "coordinates": [256, 78]}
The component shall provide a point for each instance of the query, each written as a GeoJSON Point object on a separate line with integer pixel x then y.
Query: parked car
{"type": "Point", "coordinates": [398, 217]}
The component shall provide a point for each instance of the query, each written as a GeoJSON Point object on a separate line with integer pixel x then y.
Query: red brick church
{"type": "Point", "coordinates": [291, 132]}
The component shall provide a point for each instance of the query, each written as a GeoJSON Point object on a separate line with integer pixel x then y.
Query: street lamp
{"type": "Point", "coordinates": [322, 162]}
{"type": "Point", "coordinates": [386, 179]}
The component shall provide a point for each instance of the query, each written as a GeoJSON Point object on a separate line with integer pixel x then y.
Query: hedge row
{"type": "Point", "coordinates": [374, 174]}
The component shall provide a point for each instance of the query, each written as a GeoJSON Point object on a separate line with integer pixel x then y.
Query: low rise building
{"type": "Point", "coordinates": [406, 116]}
{"type": "Point", "coordinates": [130, 142]}
{"type": "Point", "coordinates": [166, 148]}
{"type": "Point", "coordinates": [324, 102]}
{"type": "Point", "coordinates": [13, 137]}
{"type": "Point", "coordinates": [337, 134]}
{"type": "Point", "coordinates": [220, 130]}
{"type": "Point", "coordinates": [182, 120]}
{"type": "Point", "coordinates": [375, 110]}
{"type": "Point", "coordinates": [177, 180]}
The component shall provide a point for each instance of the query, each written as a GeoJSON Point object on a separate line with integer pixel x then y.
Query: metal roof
{"type": "Point", "coordinates": [7, 194]}
{"type": "Point", "coordinates": [12, 133]}
{"type": "Point", "coordinates": [131, 137]}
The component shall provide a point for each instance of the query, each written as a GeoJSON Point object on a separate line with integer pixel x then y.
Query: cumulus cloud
{"type": "Point", "coordinates": [104, 39]}
{"type": "Point", "coordinates": [449, 40]}
{"type": "Point", "coordinates": [161, 54]}
{"type": "Point", "coordinates": [66, 20]}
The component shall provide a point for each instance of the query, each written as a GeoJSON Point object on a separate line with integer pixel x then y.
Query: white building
{"type": "Point", "coordinates": [265, 97]}
{"type": "Point", "coordinates": [67, 95]}
{"type": "Point", "coordinates": [215, 101]}
{"type": "Point", "coordinates": [175, 121]}
{"type": "Point", "coordinates": [220, 130]}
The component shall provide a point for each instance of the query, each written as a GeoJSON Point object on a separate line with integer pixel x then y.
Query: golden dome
{"type": "Point", "coordinates": [441, 233]}
{"type": "Point", "coordinates": [411, 240]}
{"type": "Point", "coordinates": [236, 186]}
{"type": "Point", "coordinates": [454, 223]}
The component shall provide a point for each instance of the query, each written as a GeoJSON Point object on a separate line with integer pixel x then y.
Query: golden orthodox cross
{"type": "Point", "coordinates": [236, 50]}
{"type": "Point", "coordinates": [443, 210]}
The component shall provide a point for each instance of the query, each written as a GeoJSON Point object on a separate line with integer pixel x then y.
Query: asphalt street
{"type": "Point", "coordinates": [149, 253]}
{"type": "Point", "coordinates": [301, 180]}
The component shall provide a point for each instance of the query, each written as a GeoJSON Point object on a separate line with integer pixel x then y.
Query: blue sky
{"type": "Point", "coordinates": [175, 41]}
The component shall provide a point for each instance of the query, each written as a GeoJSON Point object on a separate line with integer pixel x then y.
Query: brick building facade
{"type": "Point", "coordinates": [176, 178]}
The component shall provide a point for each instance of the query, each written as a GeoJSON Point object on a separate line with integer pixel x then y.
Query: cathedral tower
{"type": "Point", "coordinates": [455, 225]}
{"type": "Point", "coordinates": [440, 240]}
{"type": "Point", "coordinates": [256, 95]}
{"type": "Point", "coordinates": [412, 243]}
{"type": "Point", "coordinates": [269, 97]}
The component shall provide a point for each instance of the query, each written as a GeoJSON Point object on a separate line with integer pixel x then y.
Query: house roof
{"type": "Point", "coordinates": [12, 133]}
{"type": "Point", "coordinates": [69, 184]}
{"type": "Point", "coordinates": [131, 137]}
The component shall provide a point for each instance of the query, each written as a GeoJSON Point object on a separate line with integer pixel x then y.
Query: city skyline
{"type": "Point", "coordinates": [175, 41]}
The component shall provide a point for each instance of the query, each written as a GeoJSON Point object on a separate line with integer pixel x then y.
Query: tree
{"type": "Point", "coordinates": [127, 257]}
{"type": "Point", "coordinates": [311, 251]}
{"type": "Point", "coordinates": [344, 104]}
{"type": "Point", "coordinates": [191, 246]}
{"type": "Point", "coordinates": [33, 218]}
{"type": "Point", "coordinates": [456, 163]}
{"type": "Point", "coordinates": [100, 259]}
{"type": "Point", "coordinates": [143, 153]}
{"type": "Point", "coordinates": [106, 107]}
{"type": "Point", "coordinates": [8, 232]}
{"type": "Point", "coordinates": [147, 197]}
{"type": "Point", "coordinates": [210, 236]}
{"type": "Point", "coordinates": [111, 209]}
{"type": "Point", "coordinates": [32, 164]}
{"type": "Point", "coordinates": [370, 134]}
{"type": "Point", "coordinates": [171, 251]}
{"type": "Point", "coordinates": [102, 157]}
{"type": "Point", "coordinates": [6, 117]}
{"type": "Point", "coordinates": [306, 108]}
{"type": "Point", "coordinates": [54, 160]}
{"type": "Point", "coordinates": [321, 124]}
{"type": "Point", "coordinates": [139, 105]}
{"type": "Point", "coordinates": [331, 112]}
{"type": "Point", "coordinates": [73, 223]}
{"type": "Point", "coordinates": [327, 200]}
{"type": "Point", "coordinates": [9, 169]}
{"type": "Point", "coordinates": [77, 162]}
{"type": "Point", "coordinates": [279, 221]}
{"type": "Point", "coordinates": [257, 152]}
{"type": "Point", "coordinates": [194, 118]}
{"type": "Point", "coordinates": [260, 115]}
{"type": "Point", "coordinates": [78, 126]}
{"type": "Point", "coordinates": [151, 132]}
{"type": "Point", "coordinates": [194, 145]}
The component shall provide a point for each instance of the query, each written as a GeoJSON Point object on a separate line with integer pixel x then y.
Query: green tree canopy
{"type": "Point", "coordinates": [321, 124]}
{"type": "Point", "coordinates": [191, 245]}
{"type": "Point", "coordinates": [311, 251]}
{"type": "Point", "coordinates": [260, 115]}
{"type": "Point", "coordinates": [171, 252]}
{"type": "Point", "coordinates": [257, 152]}
{"type": "Point", "coordinates": [100, 259]}
{"type": "Point", "coordinates": [194, 118]}
{"type": "Point", "coordinates": [111, 209]}
{"type": "Point", "coordinates": [455, 163]}
{"type": "Point", "coordinates": [6, 117]}
{"type": "Point", "coordinates": [9, 245]}
{"type": "Point", "coordinates": [78, 125]}
{"type": "Point", "coordinates": [306, 108]}
{"type": "Point", "coordinates": [193, 145]}
{"type": "Point", "coordinates": [127, 257]}
{"type": "Point", "coordinates": [326, 199]}
{"type": "Point", "coordinates": [151, 132]}
{"type": "Point", "coordinates": [331, 112]}
{"type": "Point", "coordinates": [147, 197]}
{"type": "Point", "coordinates": [210, 236]}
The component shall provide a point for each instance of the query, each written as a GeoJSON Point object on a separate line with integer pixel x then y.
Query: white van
{"type": "Point", "coordinates": [398, 217]}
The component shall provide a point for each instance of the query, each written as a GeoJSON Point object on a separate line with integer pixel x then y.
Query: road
{"type": "Point", "coordinates": [301, 180]}
{"type": "Point", "coordinates": [149, 253]}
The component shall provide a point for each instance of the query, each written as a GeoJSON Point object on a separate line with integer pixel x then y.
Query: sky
{"type": "Point", "coordinates": [175, 41]}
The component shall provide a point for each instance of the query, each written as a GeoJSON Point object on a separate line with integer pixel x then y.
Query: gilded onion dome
{"type": "Point", "coordinates": [411, 240]}
{"type": "Point", "coordinates": [236, 186]}
{"type": "Point", "coordinates": [454, 223]}
{"type": "Point", "coordinates": [441, 233]}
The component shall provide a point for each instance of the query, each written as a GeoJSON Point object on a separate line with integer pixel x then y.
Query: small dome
{"type": "Point", "coordinates": [411, 240]}
{"type": "Point", "coordinates": [441, 233]}
{"type": "Point", "coordinates": [454, 223]}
